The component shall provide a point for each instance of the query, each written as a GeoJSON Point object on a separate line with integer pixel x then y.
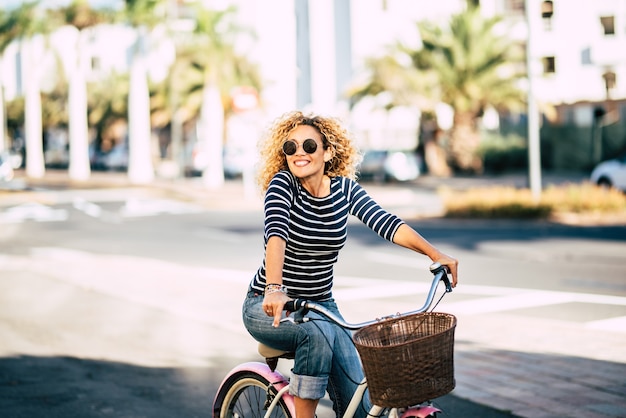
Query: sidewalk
{"type": "Point", "coordinates": [533, 367]}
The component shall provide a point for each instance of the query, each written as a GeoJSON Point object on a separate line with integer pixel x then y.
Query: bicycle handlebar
{"type": "Point", "coordinates": [440, 272]}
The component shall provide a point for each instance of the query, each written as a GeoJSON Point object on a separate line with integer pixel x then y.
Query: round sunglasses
{"type": "Point", "coordinates": [290, 146]}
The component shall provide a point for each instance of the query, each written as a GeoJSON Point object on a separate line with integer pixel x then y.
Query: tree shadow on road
{"type": "Point", "coordinates": [71, 387]}
{"type": "Point", "coordinates": [469, 234]}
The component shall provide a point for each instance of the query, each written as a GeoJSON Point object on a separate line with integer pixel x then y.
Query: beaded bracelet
{"type": "Point", "coordinates": [275, 287]}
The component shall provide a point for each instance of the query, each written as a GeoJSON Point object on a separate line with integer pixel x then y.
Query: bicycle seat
{"type": "Point", "coordinates": [269, 352]}
{"type": "Point", "coordinates": [272, 355]}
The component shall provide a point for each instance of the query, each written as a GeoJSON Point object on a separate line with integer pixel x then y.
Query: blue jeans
{"type": "Point", "coordinates": [325, 356]}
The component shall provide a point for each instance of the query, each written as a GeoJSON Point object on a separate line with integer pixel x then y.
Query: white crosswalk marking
{"type": "Point", "coordinates": [610, 324]}
{"type": "Point", "coordinates": [32, 211]}
{"type": "Point", "coordinates": [150, 207]}
{"type": "Point", "coordinates": [486, 299]}
{"type": "Point", "coordinates": [88, 208]}
{"type": "Point", "coordinates": [132, 208]}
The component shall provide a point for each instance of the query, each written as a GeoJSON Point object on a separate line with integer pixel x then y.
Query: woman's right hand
{"type": "Point", "coordinates": [273, 305]}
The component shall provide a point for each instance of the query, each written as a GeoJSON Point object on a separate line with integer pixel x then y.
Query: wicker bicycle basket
{"type": "Point", "coordinates": [408, 360]}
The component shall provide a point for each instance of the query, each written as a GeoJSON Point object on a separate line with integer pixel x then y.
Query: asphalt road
{"type": "Point", "coordinates": [106, 310]}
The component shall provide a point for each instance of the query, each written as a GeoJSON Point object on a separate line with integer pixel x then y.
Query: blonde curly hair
{"type": "Point", "coordinates": [344, 161]}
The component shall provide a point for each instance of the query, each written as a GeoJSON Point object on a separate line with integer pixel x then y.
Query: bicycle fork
{"type": "Point", "coordinates": [272, 400]}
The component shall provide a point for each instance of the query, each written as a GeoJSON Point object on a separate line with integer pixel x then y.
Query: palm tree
{"type": "Point", "coordinates": [4, 42]}
{"type": "Point", "coordinates": [143, 15]}
{"type": "Point", "coordinates": [25, 24]}
{"type": "Point", "coordinates": [392, 76]}
{"type": "Point", "coordinates": [217, 32]}
{"type": "Point", "coordinates": [80, 16]}
{"type": "Point", "coordinates": [474, 67]}
{"type": "Point", "coordinates": [213, 68]}
{"type": "Point", "coordinates": [108, 110]}
{"type": "Point", "coordinates": [466, 65]}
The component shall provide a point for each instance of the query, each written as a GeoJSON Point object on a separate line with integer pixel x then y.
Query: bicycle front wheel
{"type": "Point", "coordinates": [247, 395]}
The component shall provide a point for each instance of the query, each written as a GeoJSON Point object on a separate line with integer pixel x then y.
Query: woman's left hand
{"type": "Point", "coordinates": [451, 263]}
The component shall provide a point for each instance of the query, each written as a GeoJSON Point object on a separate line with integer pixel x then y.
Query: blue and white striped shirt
{"type": "Point", "coordinates": [315, 229]}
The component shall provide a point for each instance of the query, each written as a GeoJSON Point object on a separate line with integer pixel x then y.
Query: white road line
{"type": "Point", "coordinates": [95, 211]}
{"type": "Point", "coordinates": [151, 207]}
{"type": "Point", "coordinates": [179, 288]}
{"type": "Point", "coordinates": [527, 299]}
{"type": "Point", "coordinates": [133, 208]}
{"type": "Point", "coordinates": [32, 211]}
{"type": "Point", "coordinates": [498, 298]}
{"type": "Point", "coordinates": [611, 324]}
{"type": "Point", "coordinates": [86, 207]}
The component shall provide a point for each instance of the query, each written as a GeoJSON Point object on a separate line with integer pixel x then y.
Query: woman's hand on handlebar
{"type": "Point", "coordinates": [451, 263]}
{"type": "Point", "coordinates": [273, 305]}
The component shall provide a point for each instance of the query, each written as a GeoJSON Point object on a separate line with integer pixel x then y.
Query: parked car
{"type": "Point", "coordinates": [6, 168]}
{"type": "Point", "coordinates": [384, 165]}
{"type": "Point", "coordinates": [235, 161]}
{"type": "Point", "coordinates": [114, 160]}
{"type": "Point", "coordinates": [611, 173]}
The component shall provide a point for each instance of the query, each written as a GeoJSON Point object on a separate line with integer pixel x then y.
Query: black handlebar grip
{"type": "Point", "coordinates": [294, 305]}
{"type": "Point", "coordinates": [446, 281]}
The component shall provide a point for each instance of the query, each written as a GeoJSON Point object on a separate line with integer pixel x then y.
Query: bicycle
{"type": "Point", "coordinates": [256, 389]}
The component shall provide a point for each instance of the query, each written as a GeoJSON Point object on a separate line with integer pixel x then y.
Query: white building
{"type": "Point", "coordinates": [579, 51]}
{"type": "Point", "coordinates": [311, 49]}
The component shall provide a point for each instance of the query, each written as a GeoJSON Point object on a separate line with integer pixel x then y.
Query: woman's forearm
{"type": "Point", "coordinates": [275, 259]}
{"type": "Point", "coordinates": [409, 238]}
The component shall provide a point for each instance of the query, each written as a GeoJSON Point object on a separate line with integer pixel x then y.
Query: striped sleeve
{"type": "Point", "coordinates": [370, 213]}
{"type": "Point", "coordinates": [277, 204]}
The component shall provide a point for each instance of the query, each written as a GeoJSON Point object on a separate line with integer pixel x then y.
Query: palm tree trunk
{"type": "Point", "coordinates": [3, 119]}
{"type": "Point", "coordinates": [78, 129]}
{"type": "Point", "coordinates": [434, 154]}
{"type": "Point", "coordinates": [464, 143]}
{"type": "Point", "coordinates": [140, 168]}
{"type": "Point", "coordinates": [35, 165]}
{"type": "Point", "coordinates": [435, 158]}
{"type": "Point", "coordinates": [212, 135]}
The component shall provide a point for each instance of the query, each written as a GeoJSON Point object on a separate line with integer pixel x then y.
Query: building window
{"type": "Point", "coordinates": [608, 23]}
{"type": "Point", "coordinates": [585, 56]}
{"type": "Point", "coordinates": [610, 80]}
{"type": "Point", "coordinates": [96, 64]}
{"type": "Point", "coordinates": [549, 66]}
{"type": "Point", "coordinates": [547, 10]}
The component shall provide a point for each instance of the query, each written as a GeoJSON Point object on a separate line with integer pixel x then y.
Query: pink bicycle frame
{"type": "Point", "coordinates": [275, 378]}
{"type": "Point", "coordinates": [281, 384]}
{"type": "Point", "coordinates": [420, 412]}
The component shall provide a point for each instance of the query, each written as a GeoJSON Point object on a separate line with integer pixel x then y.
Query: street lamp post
{"type": "Point", "coordinates": [534, 152]}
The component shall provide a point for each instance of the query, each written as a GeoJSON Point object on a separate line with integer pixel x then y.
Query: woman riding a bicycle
{"type": "Point", "coordinates": [308, 175]}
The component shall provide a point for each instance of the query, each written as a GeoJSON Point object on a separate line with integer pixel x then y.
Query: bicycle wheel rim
{"type": "Point", "coordinates": [246, 397]}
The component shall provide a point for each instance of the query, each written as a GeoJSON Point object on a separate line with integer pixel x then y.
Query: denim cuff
{"type": "Point", "coordinates": [308, 387]}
